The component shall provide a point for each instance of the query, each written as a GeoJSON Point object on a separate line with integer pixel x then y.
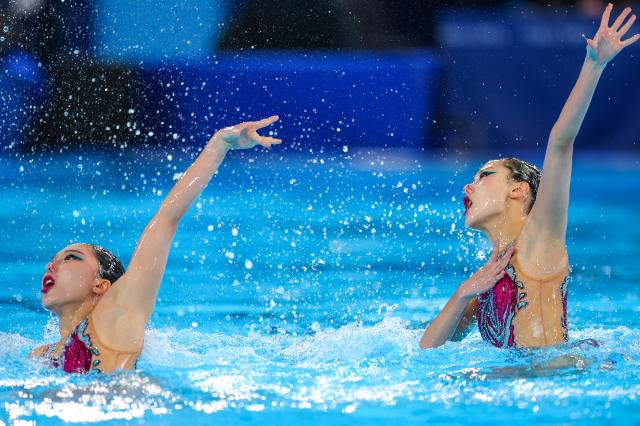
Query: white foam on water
{"type": "Point", "coordinates": [355, 364]}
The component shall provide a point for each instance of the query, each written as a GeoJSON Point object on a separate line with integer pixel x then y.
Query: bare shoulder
{"type": "Point", "coordinates": [539, 253]}
{"type": "Point", "coordinates": [39, 351]}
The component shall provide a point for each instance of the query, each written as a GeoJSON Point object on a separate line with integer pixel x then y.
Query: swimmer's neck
{"type": "Point", "coordinates": [504, 228]}
{"type": "Point", "coordinates": [70, 316]}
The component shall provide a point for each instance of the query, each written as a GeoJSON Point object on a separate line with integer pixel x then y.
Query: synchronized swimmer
{"type": "Point", "coordinates": [103, 310]}
{"type": "Point", "coordinates": [519, 298]}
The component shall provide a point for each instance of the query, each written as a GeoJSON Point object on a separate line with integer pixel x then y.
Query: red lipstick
{"type": "Point", "coordinates": [47, 282]}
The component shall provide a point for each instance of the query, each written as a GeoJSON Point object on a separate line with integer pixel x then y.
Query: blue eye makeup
{"type": "Point", "coordinates": [485, 173]}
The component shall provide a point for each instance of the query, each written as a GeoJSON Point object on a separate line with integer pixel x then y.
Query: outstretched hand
{"type": "Point", "coordinates": [245, 135]}
{"type": "Point", "coordinates": [607, 42]}
{"type": "Point", "coordinates": [487, 277]}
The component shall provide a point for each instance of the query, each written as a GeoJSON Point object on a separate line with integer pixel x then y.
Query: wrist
{"type": "Point", "coordinates": [218, 143]}
{"type": "Point", "coordinates": [594, 64]}
{"type": "Point", "coordinates": [462, 294]}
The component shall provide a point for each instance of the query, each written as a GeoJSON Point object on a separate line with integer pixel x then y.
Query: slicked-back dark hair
{"type": "Point", "coordinates": [523, 171]}
{"type": "Point", "coordinates": [110, 267]}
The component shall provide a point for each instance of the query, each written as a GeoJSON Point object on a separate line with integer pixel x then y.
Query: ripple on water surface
{"type": "Point", "coordinates": [363, 372]}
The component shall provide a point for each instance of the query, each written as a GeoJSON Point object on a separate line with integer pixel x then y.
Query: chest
{"type": "Point", "coordinates": [541, 310]}
{"type": "Point", "coordinates": [523, 312]}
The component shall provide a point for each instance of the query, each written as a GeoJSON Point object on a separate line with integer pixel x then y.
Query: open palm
{"type": "Point", "coordinates": [607, 42]}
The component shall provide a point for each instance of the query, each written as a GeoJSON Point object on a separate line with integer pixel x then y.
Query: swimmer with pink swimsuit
{"type": "Point", "coordinates": [519, 297]}
{"type": "Point", "coordinates": [102, 309]}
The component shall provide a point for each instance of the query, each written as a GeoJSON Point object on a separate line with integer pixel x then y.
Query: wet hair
{"type": "Point", "coordinates": [109, 266]}
{"type": "Point", "coordinates": [522, 171]}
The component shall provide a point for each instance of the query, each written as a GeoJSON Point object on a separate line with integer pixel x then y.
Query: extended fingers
{"type": "Point", "coordinates": [267, 121]}
{"type": "Point", "coordinates": [494, 253]}
{"type": "Point", "coordinates": [631, 40]}
{"type": "Point", "coordinates": [504, 260]}
{"type": "Point", "coordinates": [618, 22]}
{"type": "Point", "coordinates": [267, 141]}
{"type": "Point", "coordinates": [606, 16]}
{"type": "Point", "coordinates": [272, 141]}
{"type": "Point", "coordinates": [498, 271]}
{"type": "Point", "coordinates": [623, 30]}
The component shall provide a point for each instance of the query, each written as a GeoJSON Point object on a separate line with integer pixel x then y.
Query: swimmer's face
{"type": "Point", "coordinates": [70, 278]}
{"type": "Point", "coordinates": [486, 197]}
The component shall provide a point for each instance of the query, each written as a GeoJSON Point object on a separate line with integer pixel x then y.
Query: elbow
{"type": "Point", "coordinates": [428, 344]}
{"type": "Point", "coordinates": [561, 139]}
{"type": "Point", "coordinates": [165, 221]}
{"type": "Point", "coordinates": [167, 216]}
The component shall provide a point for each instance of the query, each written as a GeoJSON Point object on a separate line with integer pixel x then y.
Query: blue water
{"type": "Point", "coordinates": [298, 287]}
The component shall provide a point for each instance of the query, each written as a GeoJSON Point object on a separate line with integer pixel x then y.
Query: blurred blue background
{"type": "Point", "coordinates": [436, 75]}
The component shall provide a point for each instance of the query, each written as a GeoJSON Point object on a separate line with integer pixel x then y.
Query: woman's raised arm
{"type": "Point", "coordinates": [548, 217]}
{"type": "Point", "coordinates": [125, 309]}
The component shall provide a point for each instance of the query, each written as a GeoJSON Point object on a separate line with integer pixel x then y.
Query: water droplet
{"type": "Point", "coordinates": [5, 29]}
{"type": "Point", "coordinates": [349, 409]}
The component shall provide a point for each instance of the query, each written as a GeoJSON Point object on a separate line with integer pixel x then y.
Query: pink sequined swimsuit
{"type": "Point", "coordinates": [77, 351]}
{"type": "Point", "coordinates": [497, 307]}
{"type": "Point", "coordinates": [83, 351]}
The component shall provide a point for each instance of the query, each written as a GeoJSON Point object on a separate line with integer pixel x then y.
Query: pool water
{"type": "Point", "coordinates": [299, 285]}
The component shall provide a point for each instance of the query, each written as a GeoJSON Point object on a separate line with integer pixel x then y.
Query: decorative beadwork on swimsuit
{"type": "Point", "coordinates": [497, 307]}
{"type": "Point", "coordinates": [510, 270]}
{"type": "Point", "coordinates": [564, 291]}
{"type": "Point", "coordinates": [78, 352]}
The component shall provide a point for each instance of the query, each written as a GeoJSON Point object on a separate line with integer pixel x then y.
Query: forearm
{"type": "Point", "coordinates": [575, 108]}
{"type": "Point", "coordinates": [193, 181]}
{"type": "Point", "coordinates": [445, 324]}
